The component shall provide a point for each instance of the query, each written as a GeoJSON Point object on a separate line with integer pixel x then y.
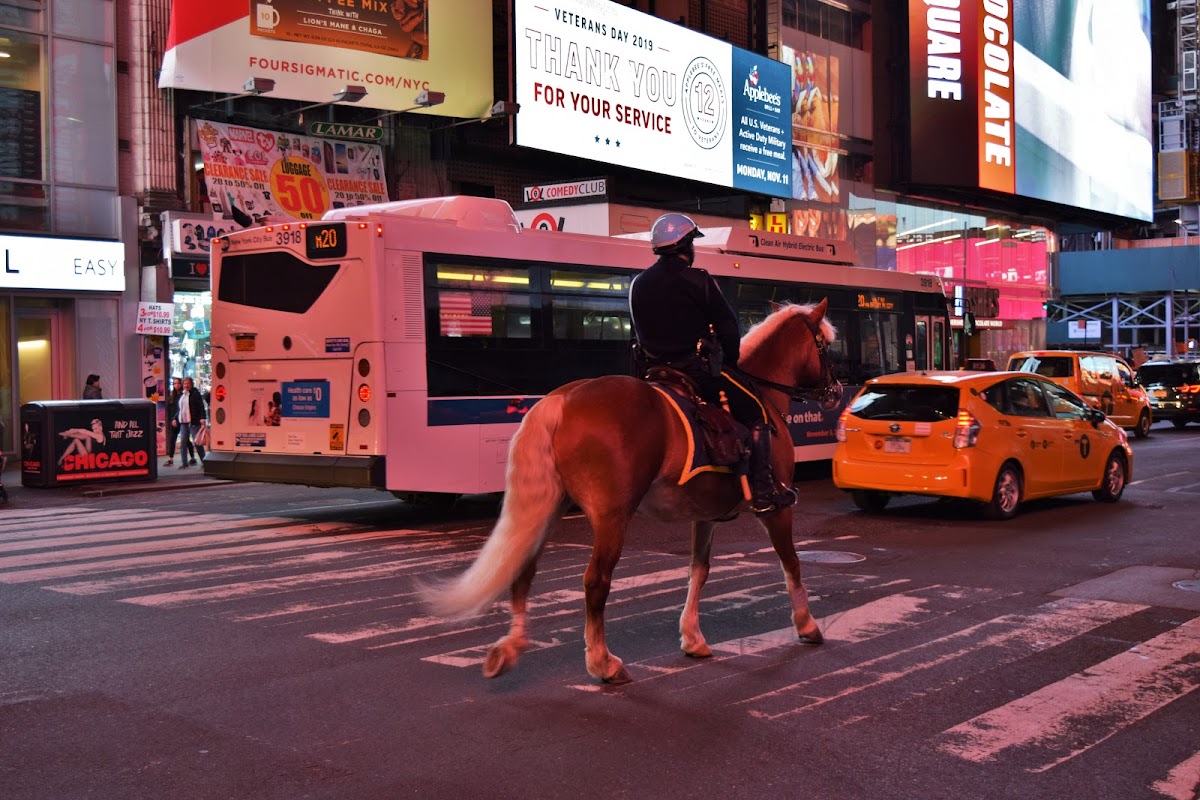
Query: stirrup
{"type": "Point", "coordinates": [783, 498]}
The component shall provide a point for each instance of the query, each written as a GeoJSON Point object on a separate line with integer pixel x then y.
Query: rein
{"type": "Point", "coordinates": [826, 391]}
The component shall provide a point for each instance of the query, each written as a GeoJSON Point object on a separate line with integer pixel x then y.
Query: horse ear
{"type": "Point", "coordinates": [775, 306]}
{"type": "Point", "coordinates": [820, 308]}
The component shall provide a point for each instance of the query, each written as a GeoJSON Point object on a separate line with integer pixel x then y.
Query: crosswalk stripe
{"type": "Point", "coordinates": [1011, 637]}
{"type": "Point", "coordinates": [1182, 782]}
{"type": "Point", "coordinates": [1075, 714]}
{"type": "Point", "coordinates": [867, 621]}
{"type": "Point", "coordinates": [541, 602]}
{"type": "Point", "coordinates": [332, 534]}
{"type": "Point", "coordinates": [13, 519]}
{"type": "Point", "coordinates": [127, 531]}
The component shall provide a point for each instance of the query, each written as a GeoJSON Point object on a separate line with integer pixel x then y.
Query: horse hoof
{"type": "Point", "coordinates": [811, 637]}
{"type": "Point", "coordinates": [499, 661]}
{"type": "Point", "coordinates": [619, 678]}
{"type": "Point", "coordinates": [701, 651]}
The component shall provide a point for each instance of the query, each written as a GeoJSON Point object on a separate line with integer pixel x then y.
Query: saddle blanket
{"type": "Point", "coordinates": [698, 458]}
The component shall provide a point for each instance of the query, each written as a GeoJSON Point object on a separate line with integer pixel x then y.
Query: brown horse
{"type": "Point", "coordinates": [616, 447]}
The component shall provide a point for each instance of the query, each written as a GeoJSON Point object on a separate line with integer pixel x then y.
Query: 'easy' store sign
{"type": "Point", "coordinates": [72, 265]}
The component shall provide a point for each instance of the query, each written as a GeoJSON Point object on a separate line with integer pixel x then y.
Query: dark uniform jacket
{"type": "Point", "coordinates": [673, 305]}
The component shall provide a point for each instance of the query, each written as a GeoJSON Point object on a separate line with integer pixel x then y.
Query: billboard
{"type": "Point", "coordinates": [253, 175]}
{"type": "Point", "coordinates": [313, 48]}
{"type": "Point", "coordinates": [597, 80]}
{"type": "Point", "coordinates": [1048, 100]}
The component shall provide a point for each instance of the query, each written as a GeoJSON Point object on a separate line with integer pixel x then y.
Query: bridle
{"type": "Point", "coordinates": [827, 393]}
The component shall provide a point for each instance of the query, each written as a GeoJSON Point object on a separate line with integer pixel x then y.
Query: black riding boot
{"type": "Point", "coordinates": [767, 495]}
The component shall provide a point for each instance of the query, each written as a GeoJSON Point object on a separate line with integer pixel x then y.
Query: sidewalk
{"type": "Point", "coordinates": [169, 479]}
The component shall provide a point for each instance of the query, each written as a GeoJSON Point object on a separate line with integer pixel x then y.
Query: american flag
{"type": "Point", "coordinates": [466, 313]}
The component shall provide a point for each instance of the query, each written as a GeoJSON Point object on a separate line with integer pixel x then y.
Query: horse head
{"type": "Point", "coordinates": [789, 352]}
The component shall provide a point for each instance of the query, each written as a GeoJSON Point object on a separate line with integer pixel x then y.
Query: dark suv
{"type": "Point", "coordinates": [1174, 389]}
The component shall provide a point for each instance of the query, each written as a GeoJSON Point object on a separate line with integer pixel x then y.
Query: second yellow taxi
{"type": "Point", "coordinates": [998, 438]}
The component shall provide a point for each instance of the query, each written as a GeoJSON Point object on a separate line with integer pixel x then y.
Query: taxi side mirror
{"type": "Point", "coordinates": [1096, 416]}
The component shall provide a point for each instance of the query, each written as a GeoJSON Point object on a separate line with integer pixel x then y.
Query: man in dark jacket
{"type": "Point", "coordinates": [91, 389]}
{"type": "Point", "coordinates": [674, 306]}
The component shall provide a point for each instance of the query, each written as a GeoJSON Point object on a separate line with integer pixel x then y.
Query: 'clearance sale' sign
{"type": "Point", "coordinates": [269, 174]}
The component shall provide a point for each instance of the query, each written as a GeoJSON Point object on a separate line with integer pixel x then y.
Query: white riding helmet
{"type": "Point", "coordinates": [672, 230]}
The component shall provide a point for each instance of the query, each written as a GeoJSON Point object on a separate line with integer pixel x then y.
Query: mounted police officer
{"type": "Point", "coordinates": [682, 320]}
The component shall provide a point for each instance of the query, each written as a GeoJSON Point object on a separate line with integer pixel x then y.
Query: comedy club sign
{"type": "Point", "coordinates": [605, 82]}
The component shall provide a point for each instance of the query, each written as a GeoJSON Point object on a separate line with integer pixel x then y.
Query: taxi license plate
{"type": "Point", "coordinates": [244, 344]}
{"type": "Point", "coordinates": [897, 444]}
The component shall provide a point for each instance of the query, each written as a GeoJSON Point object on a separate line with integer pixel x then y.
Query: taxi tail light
{"type": "Point", "coordinates": [840, 432]}
{"type": "Point", "coordinates": [966, 430]}
{"type": "Point", "coordinates": [1190, 389]}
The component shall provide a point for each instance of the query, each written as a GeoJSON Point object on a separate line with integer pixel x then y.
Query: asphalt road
{"type": "Point", "coordinates": [254, 641]}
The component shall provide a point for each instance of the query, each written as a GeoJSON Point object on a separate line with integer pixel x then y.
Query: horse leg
{"type": "Point", "coordinates": [609, 532]}
{"type": "Point", "coordinates": [504, 653]}
{"type": "Point", "coordinates": [779, 528]}
{"type": "Point", "coordinates": [690, 637]}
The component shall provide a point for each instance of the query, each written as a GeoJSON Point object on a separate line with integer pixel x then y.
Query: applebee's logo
{"type": "Point", "coordinates": [755, 92]}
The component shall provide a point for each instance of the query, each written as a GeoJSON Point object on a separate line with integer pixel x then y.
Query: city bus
{"type": "Point", "coordinates": [398, 346]}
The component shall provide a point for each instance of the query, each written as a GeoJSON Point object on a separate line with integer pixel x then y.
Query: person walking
{"type": "Point", "coordinates": [191, 422]}
{"type": "Point", "coordinates": [91, 388]}
{"type": "Point", "coordinates": [173, 431]}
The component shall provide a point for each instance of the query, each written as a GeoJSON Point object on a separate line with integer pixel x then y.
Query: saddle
{"type": "Point", "coordinates": [717, 441]}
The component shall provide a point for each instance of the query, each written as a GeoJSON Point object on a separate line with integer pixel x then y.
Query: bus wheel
{"type": "Point", "coordinates": [429, 501]}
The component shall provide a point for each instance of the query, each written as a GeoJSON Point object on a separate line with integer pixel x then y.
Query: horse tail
{"type": "Point", "coordinates": [532, 496]}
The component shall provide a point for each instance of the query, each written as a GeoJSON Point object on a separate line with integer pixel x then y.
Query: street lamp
{"type": "Point", "coordinates": [424, 99]}
{"type": "Point", "coordinates": [347, 94]}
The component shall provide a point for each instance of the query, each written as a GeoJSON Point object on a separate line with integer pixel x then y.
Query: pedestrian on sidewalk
{"type": "Point", "coordinates": [91, 389]}
{"type": "Point", "coordinates": [173, 432]}
{"type": "Point", "coordinates": [191, 423]}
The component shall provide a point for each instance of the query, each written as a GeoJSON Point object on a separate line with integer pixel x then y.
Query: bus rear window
{"type": "Point", "coordinates": [277, 281]}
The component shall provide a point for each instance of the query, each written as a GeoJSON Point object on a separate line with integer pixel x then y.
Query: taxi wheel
{"type": "Point", "coordinates": [870, 501]}
{"type": "Point", "coordinates": [1142, 430]}
{"type": "Point", "coordinates": [1115, 477]}
{"type": "Point", "coordinates": [1006, 495]}
{"type": "Point", "coordinates": [1179, 424]}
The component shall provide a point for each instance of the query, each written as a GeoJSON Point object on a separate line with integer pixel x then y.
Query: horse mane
{"type": "Point", "coordinates": [776, 319]}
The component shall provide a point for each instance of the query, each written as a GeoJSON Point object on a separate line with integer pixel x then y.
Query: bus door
{"type": "Point", "coordinates": [929, 343]}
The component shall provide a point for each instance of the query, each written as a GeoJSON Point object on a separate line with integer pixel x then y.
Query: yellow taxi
{"type": "Point", "coordinates": [1105, 381]}
{"type": "Point", "coordinates": [998, 438]}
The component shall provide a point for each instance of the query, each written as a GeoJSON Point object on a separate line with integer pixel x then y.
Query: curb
{"type": "Point", "coordinates": [134, 488]}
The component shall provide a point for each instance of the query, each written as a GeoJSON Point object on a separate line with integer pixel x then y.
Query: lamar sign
{"type": "Point", "coordinates": [341, 130]}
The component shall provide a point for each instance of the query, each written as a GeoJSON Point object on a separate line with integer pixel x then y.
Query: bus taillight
{"type": "Point", "coordinates": [364, 393]}
{"type": "Point", "coordinates": [364, 367]}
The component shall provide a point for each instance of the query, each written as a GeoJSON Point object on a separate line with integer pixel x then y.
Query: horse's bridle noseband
{"type": "Point", "coordinates": [827, 392]}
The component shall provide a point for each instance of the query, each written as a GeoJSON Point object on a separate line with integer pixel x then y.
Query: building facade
{"type": "Point", "coordinates": [65, 290]}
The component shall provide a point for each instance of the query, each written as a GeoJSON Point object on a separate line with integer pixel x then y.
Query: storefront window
{"type": "Point", "coordinates": [22, 107]}
{"type": "Point", "coordinates": [191, 354]}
